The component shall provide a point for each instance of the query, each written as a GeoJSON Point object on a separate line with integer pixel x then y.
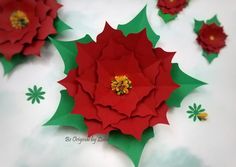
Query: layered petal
{"type": "Point", "coordinates": [212, 38]}
{"type": "Point", "coordinates": [122, 83]}
{"type": "Point", "coordinates": [133, 126]}
{"type": "Point", "coordinates": [95, 127]}
{"type": "Point", "coordinates": [25, 24]}
{"type": "Point", "coordinates": [171, 6]}
{"type": "Point", "coordinates": [107, 70]}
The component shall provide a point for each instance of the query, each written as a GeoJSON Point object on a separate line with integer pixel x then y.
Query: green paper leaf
{"type": "Point", "coordinates": [8, 66]}
{"type": "Point", "coordinates": [129, 145]}
{"type": "Point", "coordinates": [166, 17]}
{"type": "Point", "coordinates": [214, 20]}
{"type": "Point", "coordinates": [63, 116]}
{"type": "Point", "coordinates": [187, 85]}
{"type": "Point", "coordinates": [68, 51]}
{"type": "Point", "coordinates": [86, 39]}
{"type": "Point", "coordinates": [139, 23]}
{"type": "Point", "coordinates": [60, 25]}
{"type": "Point", "coordinates": [210, 56]}
{"type": "Point", "coordinates": [197, 26]}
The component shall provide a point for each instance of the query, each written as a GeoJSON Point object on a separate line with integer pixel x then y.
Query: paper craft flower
{"type": "Point", "coordinates": [121, 83]}
{"type": "Point", "coordinates": [211, 37]}
{"type": "Point", "coordinates": [196, 111]}
{"type": "Point", "coordinates": [25, 24]}
{"type": "Point", "coordinates": [35, 94]}
{"type": "Point", "coordinates": [170, 8]}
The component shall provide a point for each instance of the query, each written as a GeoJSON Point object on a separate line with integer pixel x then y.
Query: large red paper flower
{"type": "Point", "coordinates": [25, 24]}
{"type": "Point", "coordinates": [121, 83]}
{"type": "Point", "coordinates": [212, 38]}
{"type": "Point", "coordinates": [171, 6]}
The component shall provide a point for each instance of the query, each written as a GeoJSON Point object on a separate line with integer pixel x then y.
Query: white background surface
{"type": "Point", "coordinates": [25, 143]}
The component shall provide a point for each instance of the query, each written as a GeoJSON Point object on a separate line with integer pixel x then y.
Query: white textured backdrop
{"type": "Point", "coordinates": [25, 143]}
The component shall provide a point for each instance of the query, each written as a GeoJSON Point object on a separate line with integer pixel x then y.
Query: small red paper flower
{"type": "Point", "coordinates": [25, 24]}
{"type": "Point", "coordinates": [121, 83]}
{"type": "Point", "coordinates": [171, 6]}
{"type": "Point", "coordinates": [211, 37]}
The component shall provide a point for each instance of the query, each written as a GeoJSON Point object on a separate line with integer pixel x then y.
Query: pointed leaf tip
{"type": "Point", "coordinates": [139, 23]}
{"type": "Point", "coordinates": [210, 56]}
{"type": "Point", "coordinates": [167, 17]}
{"type": "Point", "coordinates": [129, 145]}
{"type": "Point", "coordinates": [68, 51]}
{"type": "Point", "coordinates": [198, 25]}
{"type": "Point", "coordinates": [215, 20]}
{"type": "Point", "coordinates": [187, 85]}
{"type": "Point", "coordinates": [9, 65]}
{"type": "Point", "coordinates": [63, 116]}
{"type": "Point", "coordinates": [60, 25]}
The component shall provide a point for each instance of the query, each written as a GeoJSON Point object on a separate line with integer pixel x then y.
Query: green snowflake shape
{"type": "Point", "coordinates": [195, 111]}
{"type": "Point", "coordinates": [35, 94]}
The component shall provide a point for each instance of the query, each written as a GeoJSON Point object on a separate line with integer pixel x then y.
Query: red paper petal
{"type": "Point", "coordinates": [113, 51]}
{"type": "Point", "coordinates": [108, 34]}
{"type": "Point", "coordinates": [161, 115]}
{"type": "Point", "coordinates": [95, 127]}
{"type": "Point", "coordinates": [146, 107]}
{"type": "Point", "coordinates": [142, 47]}
{"type": "Point", "coordinates": [54, 6]}
{"type": "Point", "coordinates": [88, 80]}
{"type": "Point", "coordinates": [70, 82]}
{"type": "Point", "coordinates": [87, 55]}
{"type": "Point", "coordinates": [46, 28]}
{"type": "Point", "coordinates": [84, 105]}
{"type": "Point", "coordinates": [108, 116]}
{"type": "Point", "coordinates": [107, 70]}
{"type": "Point", "coordinates": [9, 50]}
{"type": "Point", "coordinates": [42, 10]}
{"type": "Point", "coordinates": [133, 126]}
{"type": "Point", "coordinates": [33, 48]}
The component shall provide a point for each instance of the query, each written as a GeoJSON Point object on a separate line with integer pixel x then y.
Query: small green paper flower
{"type": "Point", "coordinates": [197, 112]}
{"type": "Point", "coordinates": [35, 94]}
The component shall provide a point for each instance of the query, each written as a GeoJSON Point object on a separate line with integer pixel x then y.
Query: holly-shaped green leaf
{"type": "Point", "coordinates": [129, 145]}
{"type": "Point", "coordinates": [198, 25]}
{"type": "Point", "coordinates": [215, 20]}
{"type": "Point", "coordinates": [187, 85]}
{"type": "Point", "coordinates": [68, 51]}
{"type": "Point", "coordinates": [60, 25]}
{"type": "Point", "coordinates": [166, 17]}
{"type": "Point", "coordinates": [9, 65]}
{"type": "Point", "coordinates": [209, 56]}
{"type": "Point", "coordinates": [63, 116]}
{"type": "Point", "coordinates": [139, 23]}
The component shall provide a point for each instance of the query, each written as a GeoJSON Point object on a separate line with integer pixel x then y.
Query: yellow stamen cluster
{"type": "Point", "coordinates": [19, 19]}
{"type": "Point", "coordinates": [212, 38]}
{"type": "Point", "coordinates": [121, 85]}
{"type": "Point", "coordinates": [202, 116]}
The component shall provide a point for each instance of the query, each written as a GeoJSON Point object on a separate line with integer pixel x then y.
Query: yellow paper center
{"type": "Point", "coordinates": [19, 19]}
{"type": "Point", "coordinates": [121, 85]}
{"type": "Point", "coordinates": [202, 116]}
{"type": "Point", "coordinates": [212, 38]}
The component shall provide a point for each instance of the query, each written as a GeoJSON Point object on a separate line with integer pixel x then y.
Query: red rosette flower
{"type": "Point", "coordinates": [25, 24]}
{"type": "Point", "coordinates": [171, 6]}
{"type": "Point", "coordinates": [121, 83]}
{"type": "Point", "coordinates": [211, 37]}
